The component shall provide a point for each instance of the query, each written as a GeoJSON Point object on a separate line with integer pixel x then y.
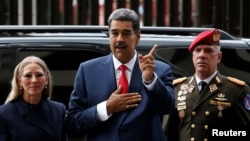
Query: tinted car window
{"type": "Point", "coordinates": [180, 60]}
{"type": "Point", "coordinates": [235, 62]}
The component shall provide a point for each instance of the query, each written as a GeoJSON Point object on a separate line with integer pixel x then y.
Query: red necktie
{"type": "Point", "coordinates": [123, 79]}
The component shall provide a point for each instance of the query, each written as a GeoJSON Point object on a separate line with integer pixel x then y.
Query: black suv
{"type": "Point", "coordinates": [63, 48]}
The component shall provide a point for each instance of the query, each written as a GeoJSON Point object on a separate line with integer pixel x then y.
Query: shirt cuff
{"type": "Point", "coordinates": [150, 84]}
{"type": "Point", "coordinates": [102, 114]}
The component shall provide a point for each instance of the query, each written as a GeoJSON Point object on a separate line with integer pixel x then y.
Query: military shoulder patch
{"type": "Point", "coordinates": [179, 80]}
{"type": "Point", "coordinates": [247, 102]}
{"type": "Point", "coordinates": [236, 81]}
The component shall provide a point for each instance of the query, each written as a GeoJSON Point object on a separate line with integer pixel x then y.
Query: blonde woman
{"type": "Point", "coordinates": [28, 114]}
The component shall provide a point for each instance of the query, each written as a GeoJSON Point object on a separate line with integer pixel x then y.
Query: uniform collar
{"type": "Point", "coordinates": [207, 80]}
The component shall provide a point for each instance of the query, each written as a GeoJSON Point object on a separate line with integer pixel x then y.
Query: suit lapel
{"type": "Point", "coordinates": [134, 86]}
{"type": "Point", "coordinates": [109, 79]}
{"type": "Point", "coordinates": [136, 79]}
{"type": "Point", "coordinates": [195, 92]}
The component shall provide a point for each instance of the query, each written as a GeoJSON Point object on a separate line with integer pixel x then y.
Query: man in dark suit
{"type": "Point", "coordinates": [98, 107]}
{"type": "Point", "coordinates": [209, 106]}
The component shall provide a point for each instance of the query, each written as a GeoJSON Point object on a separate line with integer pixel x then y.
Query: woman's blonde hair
{"type": "Point", "coordinates": [16, 89]}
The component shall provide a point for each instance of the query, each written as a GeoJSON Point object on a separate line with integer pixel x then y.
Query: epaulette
{"type": "Point", "coordinates": [179, 80]}
{"type": "Point", "coordinates": [236, 81]}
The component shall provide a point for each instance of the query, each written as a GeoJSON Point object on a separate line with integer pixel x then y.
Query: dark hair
{"type": "Point", "coordinates": [124, 14]}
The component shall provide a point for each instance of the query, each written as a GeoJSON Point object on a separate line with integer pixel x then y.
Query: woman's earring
{"type": "Point", "coordinates": [45, 86]}
{"type": "Point", "coordinates": [20, 87]}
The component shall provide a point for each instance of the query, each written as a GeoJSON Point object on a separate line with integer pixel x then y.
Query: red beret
{"type": "Point", "coordinates": [210, 37]}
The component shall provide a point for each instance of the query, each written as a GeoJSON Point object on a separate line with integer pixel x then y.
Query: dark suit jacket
{"type": "Point", "coordinates": [94, 83]}
{"type": "Point", "coordinates": [21, 122]}
{"type": "Point", "coordinates": [220, 107]}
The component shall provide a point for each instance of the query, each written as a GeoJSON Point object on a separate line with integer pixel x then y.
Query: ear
{"type": "Point", "coordinates": [19, 81]}
{"type": "Point", "coordinates": [47, 80]}
{"type": "Point", "coordinates": [138, 35]}
{"type": "Point", "coordinates": [219, 57]}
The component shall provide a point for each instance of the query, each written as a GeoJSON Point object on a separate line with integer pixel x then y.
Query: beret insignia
{"type": "Point", "coordinates": [236, 81]}
{"type": "Point", "coordinates": [216, 36]}
{"type": "Point", "coordinates": [179, 80]}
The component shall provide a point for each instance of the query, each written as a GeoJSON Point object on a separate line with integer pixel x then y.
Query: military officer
{"type": "Point", "coordinates": [209, 105]}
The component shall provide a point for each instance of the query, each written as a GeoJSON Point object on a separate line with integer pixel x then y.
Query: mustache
{"type": "Point", "coordinates": [201, 62]}
{"type": "Point", "coordinates": [120, 44]}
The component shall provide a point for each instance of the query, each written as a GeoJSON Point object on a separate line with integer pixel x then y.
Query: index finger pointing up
{"type": "Point", "coordinates": [153, 50]}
